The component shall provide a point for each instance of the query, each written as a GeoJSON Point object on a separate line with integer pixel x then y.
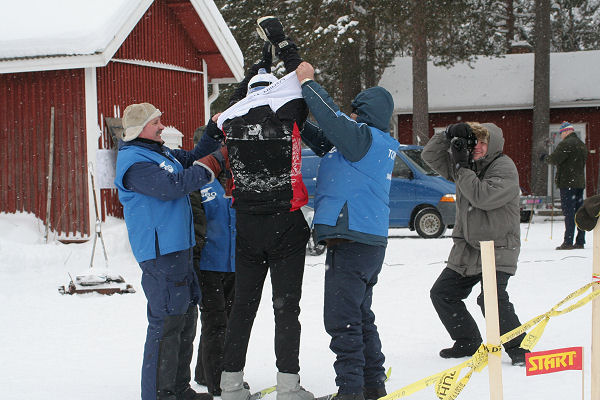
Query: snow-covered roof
{"type": "Point", "coordinates": [40, 35]}
{"type": "Point", "coordinates": [498, 83]}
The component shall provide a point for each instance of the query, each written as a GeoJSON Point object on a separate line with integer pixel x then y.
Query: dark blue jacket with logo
{"type": "Point", "coordinates": [218, 253]}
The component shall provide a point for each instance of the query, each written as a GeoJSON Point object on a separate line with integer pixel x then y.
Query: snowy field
{"type": "Point", "coordinates": [90, 346]}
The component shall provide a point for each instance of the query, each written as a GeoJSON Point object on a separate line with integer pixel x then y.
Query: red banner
{"type": "Point", "coordinates": [546, 362]}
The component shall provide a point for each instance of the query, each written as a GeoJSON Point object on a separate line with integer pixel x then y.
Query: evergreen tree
{"type": "Point", "coordinates": [575, 25]}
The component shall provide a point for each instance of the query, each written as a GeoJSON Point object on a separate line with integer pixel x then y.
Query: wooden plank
{"type": "Point", "coordinates": [595, 357]}
{"type": "Point", "coordinates": [492, 321]}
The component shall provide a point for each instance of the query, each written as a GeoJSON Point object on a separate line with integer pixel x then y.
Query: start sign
{"type": "Point", "coordinates": [546, 362]}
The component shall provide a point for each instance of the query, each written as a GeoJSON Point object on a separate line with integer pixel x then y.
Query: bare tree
{"type": "Point", "coordinates": [419, 65]}
{"type": "Point", "coordinates": [541, 96]}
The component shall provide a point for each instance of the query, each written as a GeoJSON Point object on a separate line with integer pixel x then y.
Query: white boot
{"type": "Point", "coordinates": [288, 388]}
{"type": "Point", "coordinates": [232, 386]}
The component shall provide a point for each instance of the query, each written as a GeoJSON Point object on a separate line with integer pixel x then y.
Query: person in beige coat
{"type": "Point", "coordinates": [487, 208]}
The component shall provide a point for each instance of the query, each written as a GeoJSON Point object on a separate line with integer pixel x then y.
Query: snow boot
{"type": "Point", "coordinates": [191, 394]}
{"type": "Point", "coordinates": [517, 356]}
{"type": "Point", "coordinates": [374, 392]}
{"type": "Point", "coordinates": [350, 396]}
{"type": "Point", "coordinates": [461, 348]}
{"type": "Point", "coordinates": [232, 386]}
{"type": "Point", "coordinates": [288, 388]}
{"type": "Point", "coordinates": [565, 246]}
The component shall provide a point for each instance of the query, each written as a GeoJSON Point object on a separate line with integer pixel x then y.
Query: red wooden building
{"type": "Point", "coordinates": [165, 52]}
{"type": "Point", "coordinates": [500, 90]}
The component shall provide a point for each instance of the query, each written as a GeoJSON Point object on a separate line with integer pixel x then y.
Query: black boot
{"type": "Point", "coordinates": [460, 349]}
{"type": "Point", "coordinates": [190, 394]}
{"type": "Point", "coordinates": [350, 396]}
{"type": "Point", "coordinates": [565, 246]}
{"type": "Point", "coordinates": [517, 356]}
{"type": "Point", "coordinates": [374, 392]}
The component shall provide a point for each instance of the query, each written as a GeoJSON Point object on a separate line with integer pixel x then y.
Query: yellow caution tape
{"type": "Point", "coordinates": [447, 384]}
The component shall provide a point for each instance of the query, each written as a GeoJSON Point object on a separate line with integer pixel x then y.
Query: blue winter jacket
{"type": "Point", "coordinates": [354, 178]}
{"type": "Point", "coordinates": [218, 253]}
{"type": "Point", "coordinates": [153, 183]}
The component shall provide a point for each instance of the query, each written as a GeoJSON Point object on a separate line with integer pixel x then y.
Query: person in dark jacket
{"type": "Point", "coordinates": [352, 218]}
{"type": "Point", "coordinates": [214, 263]}
{"type": "Point", "coordinates": [153, 183]}
{"type": "Point", "coordinates": [262, 133]}
{"type": "Point", "coordinates": [487, 208]}
{"type": "Point", "coordinates": [569, 157]}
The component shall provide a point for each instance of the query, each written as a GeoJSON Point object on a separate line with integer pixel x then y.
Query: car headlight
{"type": "Point", "coordinates": [449, 198]}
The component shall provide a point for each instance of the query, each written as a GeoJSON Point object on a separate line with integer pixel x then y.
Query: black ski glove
{"type": "Point", "coordinates": [213, 131]}
{"type": "Point", "coordinates": [460, 153]}
{"type": "Point", "coordinates": [270, 28]}
{"type": "Point", "coordinates": [267, 57]}
{"type": "Point", "coordinates": [460, 130]}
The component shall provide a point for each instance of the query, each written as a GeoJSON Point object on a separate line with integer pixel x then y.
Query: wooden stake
{"type": "Point", "coordinates": [492, 321]}
{"type": "Point", "coordinates": [50, 171]}
{"type": "Point", "coordinates": [582, 374]}
{"type": "Point", "coordinates": [596, 319]}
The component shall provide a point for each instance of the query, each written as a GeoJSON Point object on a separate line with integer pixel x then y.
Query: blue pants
{"type": "Point", "coordinates": [570, 201]}
{"type": "Point", "coordinates": [352, 270]}
{"type": "Point", "coordinates": [172, 291]}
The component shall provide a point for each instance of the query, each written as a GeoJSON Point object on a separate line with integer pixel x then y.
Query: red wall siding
{"type": "Point", "coordinates": [158, 37]}
{"type": "Point", "coordinates": [24, 147]}
{"type": "Point", "coordinates": [517, 127]}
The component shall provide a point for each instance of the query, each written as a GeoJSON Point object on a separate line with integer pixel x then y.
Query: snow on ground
{"type": "Point", "coordinates": [90, 346]}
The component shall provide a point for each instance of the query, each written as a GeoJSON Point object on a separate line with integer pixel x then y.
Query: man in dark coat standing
{"type": "Point", "coordinates": [569, 158]}
{"type": "Point", "coordinates": [262, 132]}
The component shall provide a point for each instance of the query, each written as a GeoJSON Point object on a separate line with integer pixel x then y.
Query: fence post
{"type": "Point", "coordinates": [50, 175]}
{"type": "Point", "coordinates": [596, 319]}
{"type": "Point", "coordinates": [492, 322]}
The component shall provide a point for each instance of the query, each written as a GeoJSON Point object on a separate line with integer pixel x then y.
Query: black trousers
{"type": "Point", "coordinates": [217, 300]}
{"type": "Point", "coordinates": [275, 243]}
{"type": "Point", "coordinates": [447, 295]}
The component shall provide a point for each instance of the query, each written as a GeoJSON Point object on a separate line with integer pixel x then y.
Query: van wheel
{"type": "Point", "coordinates": [312, 248]}
{"type": "Point", "coordinates": [429, 224]}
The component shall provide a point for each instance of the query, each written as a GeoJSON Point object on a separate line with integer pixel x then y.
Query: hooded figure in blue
{"type": "Point", "coordinates": [153, 182]}
{"type": "Point", "coordinates": [352, 218]}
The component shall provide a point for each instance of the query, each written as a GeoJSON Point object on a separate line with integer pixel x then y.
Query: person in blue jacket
{"type": "Point", "coordinates": [153, 183]}
{"type": "Point", "coordinates": [352, 217]}
{"type": "Point", "coordinates": [214, 263]}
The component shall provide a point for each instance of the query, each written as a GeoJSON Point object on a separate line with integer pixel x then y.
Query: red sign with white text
{"type": "Point", "coordinates": [546, 362]}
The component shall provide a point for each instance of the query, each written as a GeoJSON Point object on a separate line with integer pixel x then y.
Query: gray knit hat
{"type": "Point", "coordinates": [135, 118]}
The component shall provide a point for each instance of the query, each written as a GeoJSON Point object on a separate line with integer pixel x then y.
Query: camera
{"type": "Point", "coordinates": [460, 143]}
{"type": "Point", "coordinates": [461, 136]}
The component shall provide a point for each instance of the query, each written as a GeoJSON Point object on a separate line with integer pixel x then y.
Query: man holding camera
{"type": "Point", "coordinates": [487, 208]}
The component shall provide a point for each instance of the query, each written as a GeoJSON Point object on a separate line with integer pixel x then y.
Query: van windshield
{"type": "Point", "coordinates": [415, 156]}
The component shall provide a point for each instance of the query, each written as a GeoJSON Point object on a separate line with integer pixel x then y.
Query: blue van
{"type": "Point", "coordinates": [420, 199]}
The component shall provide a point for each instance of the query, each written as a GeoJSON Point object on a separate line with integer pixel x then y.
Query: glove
{"type": "Point", "coordinates": [270, 29]}
{"type": "Point", "coordinates": [268, 51]}
{"type": "Point", "coordinates": [460, 153]}
{"type": "Point", "coordinates": [543, 156]}
{"type": "Point", "coordinates": [460, 130]}
{"type": "Point", "coordinates": [213, 131]}
{"type": "Point", "coordinates": [216, 161]}
{"type": "Point", "coordinates": [265, 62]}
